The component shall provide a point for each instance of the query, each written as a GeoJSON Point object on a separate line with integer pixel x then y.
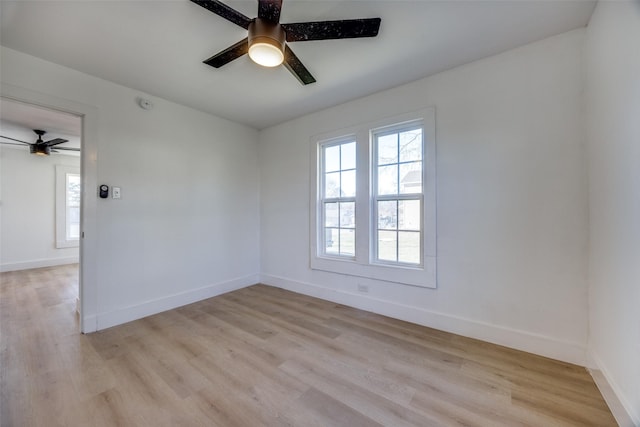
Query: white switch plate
{"type": "Point", "coordinates": [116, 192]}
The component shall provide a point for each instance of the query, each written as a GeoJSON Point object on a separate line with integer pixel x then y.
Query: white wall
{"type": "Point", "coordinates": [512, 201]}
{"type": "Point", "coordinates": [613, 117]}
{"type": "Point", "coordinates": [27, 215]}
{"type": "Point", "coordinates": [187, 226]}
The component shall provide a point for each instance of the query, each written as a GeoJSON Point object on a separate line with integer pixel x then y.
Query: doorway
{"type": "Point", "coordinates": [40, 156]}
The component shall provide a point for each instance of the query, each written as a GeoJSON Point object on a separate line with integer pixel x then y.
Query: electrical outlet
{"type": "Point", "coordinates": [362, 288]}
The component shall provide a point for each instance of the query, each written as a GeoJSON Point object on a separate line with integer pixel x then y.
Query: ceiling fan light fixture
{"type": "Point", "coordinates": [266, 54]}
{"type": "Point", "coordinates": [40, 150]}
{"type": "Point", "coordinates": [266, 43]}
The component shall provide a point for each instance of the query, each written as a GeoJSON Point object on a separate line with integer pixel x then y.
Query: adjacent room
{"type": "Point", "coordinates": [336, 213]}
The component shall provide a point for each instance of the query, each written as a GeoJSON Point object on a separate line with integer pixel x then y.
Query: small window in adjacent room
{"type": "Point", "coordinates": [67, 206]}
{"type": "Point", "coordinates": [373, 212]}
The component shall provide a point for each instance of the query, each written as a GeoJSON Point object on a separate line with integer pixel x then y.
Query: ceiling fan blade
{"type": "Point", "coordinates": [293, 64]}
{"type": "Point", "coordinates": [327, 30]}
{"type": "Point", "coordinates": [11, 143]}
{"type": "Point", "coordinates": [229, 54]}
{"type": "Point", "coordinates": [269, 10]}
{"type": "Point", "coordinates": [224, 11]}
{"type": "Point", "coordinates": [13, 139]}
{"type": "Point", "coordinates": [56, 141]}
{"type": "Point", "coordinates": [67, 149]}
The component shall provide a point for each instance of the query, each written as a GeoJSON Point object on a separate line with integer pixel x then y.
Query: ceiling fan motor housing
{"type": "Point", "coordinates": [262, 31]}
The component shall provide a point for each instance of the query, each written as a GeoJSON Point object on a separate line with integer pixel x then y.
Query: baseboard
{"type": "Point", "coordinates": [38, 263]}
{"type": "Point", "coordinates": [619, 406]}
{"type": "Point", "coordinates": [148, 308]}
{"type": "Point", "coordinates": [89, 324]}
{"type": "Point", "coordinates": [521, 340]}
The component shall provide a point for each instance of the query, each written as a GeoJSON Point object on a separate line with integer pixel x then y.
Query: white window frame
{"type": "Point", "coordinates": [375, 198]}
{"type": "Point", "coordinates": [364, 264]}
{"type": "Point", "coordinates": [340, 199]}
{"type": "Point", "coordinates": [62, 171]}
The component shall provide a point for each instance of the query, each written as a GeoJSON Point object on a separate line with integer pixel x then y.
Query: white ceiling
{"type": "Point", "coordinates": [158, 47]}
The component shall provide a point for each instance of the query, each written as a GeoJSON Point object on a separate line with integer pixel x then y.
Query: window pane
{"type": "Point", "coordinates": [409, 247]}
{"type": "Point", "coordinates": [411, 178]}
{"type": "Point", "coordinates": [348, 159]}
{"type": "Point", "coordinates": [73, 190]}
{"type": "Point", "coordinates": [409, 215]}
{"type": "Point", "coordinates": [387, 246]}
{"type": "Point", "coordinates": [348, 188]}
{"type": "Point", "coordinates": [332, 241]}
{"type": "Point", "coordinates": [332, 158]}
{"type": "Point", "coordinates": [331, 214]}
{"type": "Point", "coordinates": [388, 215]}
{"type": "Point", "coordinates": [388, 180]}
{"type": "Point", "coordinates": [387, 149]}
{"type": "Point", "coordinates": [348, 214]}
{"type": "Point", "coordinates": [73, 223]}
{"type": "Point", "coordinates": [339, 183]}
{"type": "Point", "coordinates": [411, 145]}
{"type": "Point", "coordinates": [347, 242]}
{"type": "Point", "coordinates": [332, 184]}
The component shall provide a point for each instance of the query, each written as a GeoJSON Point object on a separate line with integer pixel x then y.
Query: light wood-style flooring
{"type": "Point", "coordinates": [262, 356]}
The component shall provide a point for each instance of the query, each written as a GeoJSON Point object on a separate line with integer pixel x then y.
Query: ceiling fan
{"type": "Point", "coordinates": [267, 38]}
{"type": "Point", "coordinates": [40, 147]}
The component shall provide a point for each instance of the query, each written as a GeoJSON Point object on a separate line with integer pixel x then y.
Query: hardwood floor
{"type": "Point", "coordinates": [262, 356]}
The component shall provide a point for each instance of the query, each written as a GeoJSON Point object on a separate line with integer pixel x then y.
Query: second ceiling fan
{"type": "Point", "coordinates": [267, 38]}
{"type": "Point", "coordinates": [40, 147]}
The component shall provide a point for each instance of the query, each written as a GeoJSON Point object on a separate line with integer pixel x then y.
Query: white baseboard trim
{"type": "Point", "coordinates": [138, 311]}
{"type": "Point", "coordinates": [89, 324]}
{"type": "Point", "coordinates": [619, 406]}
{"type": "Point", "coordinates": [38, 263]}
{"type": "Point", "coordinates": [570, 352]}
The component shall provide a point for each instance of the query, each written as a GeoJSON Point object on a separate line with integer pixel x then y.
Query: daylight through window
{"type": "Point", "coordinates": [339, 198]}
{"type": "Point", "coordinates": [398, 195]}
{"type": "Point", "coordinates": [373, 214]}
{"type": "Point", "coordinates": [72, 225]}
{"type": "Point", "coordinates": [68, 195]}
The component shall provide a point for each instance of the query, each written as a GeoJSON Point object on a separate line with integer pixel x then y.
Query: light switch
{"type": "Point", "coordinates": [115, 192]}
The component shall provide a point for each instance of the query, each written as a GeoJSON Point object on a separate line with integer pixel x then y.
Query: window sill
{"type": "Point", "coordinates": [423, 277]}
{"type": "Point", "coordinates": [67, 244]}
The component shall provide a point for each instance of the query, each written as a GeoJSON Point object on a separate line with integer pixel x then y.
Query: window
{"type": "Point", "coordinates": [67, 206]}
{"type": "Point", "coordinates": [398, 194]}
{"type": "Point", "coordinates": [72, 212]}
{"type": "Point", "coordinates": [374, 210]}
{"type": "Point", "coordinates": [338, 196]}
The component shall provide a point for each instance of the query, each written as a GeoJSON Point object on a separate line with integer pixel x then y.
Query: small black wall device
{"type": "Point", "coordinates": [104, 191]}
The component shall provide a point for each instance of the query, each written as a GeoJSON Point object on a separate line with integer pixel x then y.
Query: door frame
{"type": "Point", "coordinates": [87, 278]}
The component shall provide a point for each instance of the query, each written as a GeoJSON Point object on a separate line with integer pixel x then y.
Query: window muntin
{"type": "Point", "coordinates": [338, 198]}
{"type": "Point", "coordinates": [397, 197]}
